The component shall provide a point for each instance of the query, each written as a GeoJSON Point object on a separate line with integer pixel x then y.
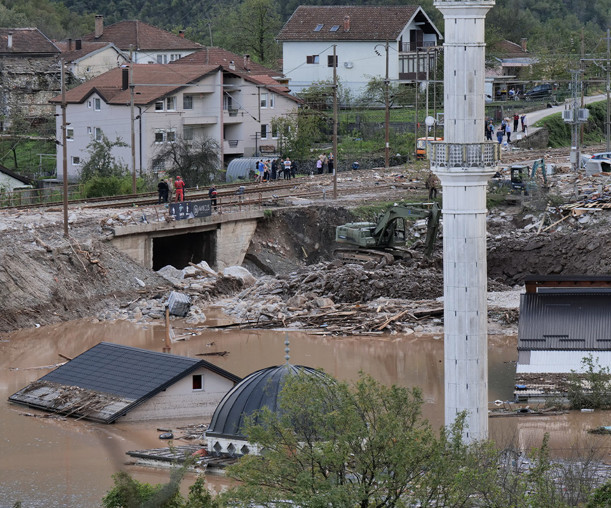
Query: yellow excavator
{"type": "Point", "coordinates": [386, 239]}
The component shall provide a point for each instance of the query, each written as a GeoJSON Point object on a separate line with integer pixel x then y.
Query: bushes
{"type": "Point", "coordinates": [591, 389]}
{"type": "Point", "coordinates": [101, 186]}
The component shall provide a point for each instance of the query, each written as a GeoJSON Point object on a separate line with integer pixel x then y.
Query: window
{"type": "Point", "coordinates": [159, 106]}
{"type": "Point", "coordinates": [272, 100]}
{"type": "Point", "coordinates": [312, 59]}
{"type": "Point", "coordinates": [330, 61]}
{"type": "Point", "coordinates": [97, 104]}
{"type": "Point", "coordinates": [89, 130]}
{"type": "Point", "coordinates": [187, 133]}
{"type": "Point", "coordinates": [158, 165]}
{"type": "Point", "coordinates": [174, 56]}
{"type": "Point", "coordinates": [263, 100]}
{"type": "Point", "coordinates": [159, 136]}
{"type": "Point", "coordinates": [170, 136]}
{"type": "Point", "coordinates": [334, 28]}
{"type": "Point", "coordinates": [89, 104]}
{"type": "Point", "coordinates": [70, 133]}
{"type": "Point", "coordinates": [98, 134]}
{"type": "Point", "coordinates": [187, 102]}
{"type": "Point", "coordinates": [170, 103]}
{"type": "Point", "coordinates": [274, 131]}
{"type": "Point", "coordinates": [319, 27]}
{"type": "Point", "coordinates": [162, 59]}
{"type": "Point", "coordinates": [198, 382]}
{"type": "Point", "coordinates": [76, 161]}
{"type": "Point", "coordinates": [263, 131]}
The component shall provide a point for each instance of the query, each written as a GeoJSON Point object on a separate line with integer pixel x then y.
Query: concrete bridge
{"type": "Point", "coordinates": [221, 240]}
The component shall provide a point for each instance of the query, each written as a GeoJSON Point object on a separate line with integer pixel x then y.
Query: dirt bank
{"type": "Point", "coordinates": [48, 278]}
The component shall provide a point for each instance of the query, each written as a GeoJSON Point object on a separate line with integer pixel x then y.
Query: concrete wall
{"type": "Point", "coordinates": [181, 401]}
{"type": "Point", "coordinates": [234, 233]}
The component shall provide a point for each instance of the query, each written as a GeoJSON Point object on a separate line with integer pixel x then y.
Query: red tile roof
{"type": "Point", "coordinates": [152, 81]}
{"type": "Point", "coordinates": [220, 56]}
{"type": "Point", "coordinates": [370, 23]}
{"type": "Point", "coordinates": [142, 37]}
{"type": "Point", "coordinates": [271, 84]}
{"type": "Point", "coordinates": [26, 41]}
{"type": "Point", "coordinates": [70, 53]}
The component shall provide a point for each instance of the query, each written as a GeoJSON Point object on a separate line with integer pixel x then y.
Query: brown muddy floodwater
{"type": "Point", "coordinates": [47, 462]}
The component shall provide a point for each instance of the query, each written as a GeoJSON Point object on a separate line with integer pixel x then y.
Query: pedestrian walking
{"type": "Point", "coordinates": [508, 132]}
{"type": "Point", "coordinates": [516, 120]}
{"type": "Point", "coordinates": [212, 195]}
{"type": "Point", "coordinates": [523, 120]}
{"type": "Point", "coordinates": [331, 163]}
{"type": "Point", "coordinates": [431, 185]}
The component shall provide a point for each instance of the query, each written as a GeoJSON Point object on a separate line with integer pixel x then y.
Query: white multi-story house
{"type": "Point", "coordinates": [359, 36]}
{"type": "Point", "coordinates": [85, 59]}
{"type": "Point", "coordinates": [146, 43]}
{"type": "Point", "coordinates": [170, 102]}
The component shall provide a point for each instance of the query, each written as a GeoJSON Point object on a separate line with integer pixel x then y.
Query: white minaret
{"type": "Point", "coordinates": [464, 162]}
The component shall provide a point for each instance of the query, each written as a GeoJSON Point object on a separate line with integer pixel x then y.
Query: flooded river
{"type": "Point", "coordinates": [48, 462]}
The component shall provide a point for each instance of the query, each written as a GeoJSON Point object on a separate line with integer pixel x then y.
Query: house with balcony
{"type": "Point", "coordinates": [360, 35]}
{"type": "Point", "coordinates": [170, 102]}
{"type": "Point", "coordinates": [145, 43]}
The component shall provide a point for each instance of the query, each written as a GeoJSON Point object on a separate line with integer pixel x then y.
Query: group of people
{"type": "Point", "coordinates": [325, 161]}
{"type": "Point", "coordinates": [275, 169]}
{"type": "Point", "coordinates": [506, 128]}
{"type": "Point", "coordinates": [165, 186]}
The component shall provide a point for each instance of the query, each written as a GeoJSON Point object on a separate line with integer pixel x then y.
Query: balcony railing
{"type": "Point", "coordinates": [233, 112]}
{"type": "Point", "coordinates": [412, 47]}
{"type": "Point", "coordinates": [233, 142]}
{"type": "Point", "coordinates": [464, 155]}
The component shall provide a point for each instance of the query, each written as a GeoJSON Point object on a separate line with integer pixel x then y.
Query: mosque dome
{"type": "Point", "coordinates": [256, 391]}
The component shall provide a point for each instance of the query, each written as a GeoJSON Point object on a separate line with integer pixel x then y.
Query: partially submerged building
{"type": "Point", "coordinates": [112, 382]}
{"type": "Point", "coordinates": [261, 389]}
{"type": "Point", "coordinates": [563, 319]}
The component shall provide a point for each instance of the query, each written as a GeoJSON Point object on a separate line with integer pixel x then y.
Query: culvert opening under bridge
{"type": "Point", "coordinates": [180, 250]}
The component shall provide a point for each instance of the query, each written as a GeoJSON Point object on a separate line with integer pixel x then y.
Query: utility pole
{"type": "Point", "coordinates": [416, 116]}
{"type": "Point", "coordinates": [608, 122]}
{"type": "Point", "coordinates": [335, 122]}
{"type": "Point", "coordinates": [387, 114]}
{"type": "Point", "coordinates": [131, 112]}
{"type": "Point", "coordinates": [64, 148]}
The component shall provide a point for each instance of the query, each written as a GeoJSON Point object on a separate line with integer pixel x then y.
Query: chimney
{"type": "Point", "coordinates": [79, 44]}
{"type": "Point", "coordinates": [523, 44]}
{"type": "Point", "coordinates": [99, 25]}
{"type": "Point", "coordinates": [9, 40]}
{"type": "Point", "coordinates": [247, 62]}
{"type": "Point", "coordinates": [346, 23]}
{"type": "Point", "coordinates": [181, 34]}
{"type": "Point", "coordinates": [124, 78]}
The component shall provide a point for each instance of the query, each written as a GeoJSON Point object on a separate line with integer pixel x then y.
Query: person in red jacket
{"type": "Point", "coordinates": [179, 186]}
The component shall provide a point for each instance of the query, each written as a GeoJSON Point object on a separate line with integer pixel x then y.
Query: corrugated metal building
{"type": "Point", "coordinates": [563, 320]}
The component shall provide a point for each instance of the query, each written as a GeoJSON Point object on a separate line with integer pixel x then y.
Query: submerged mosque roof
{"type": "Point", "coordinates": [256, 391]}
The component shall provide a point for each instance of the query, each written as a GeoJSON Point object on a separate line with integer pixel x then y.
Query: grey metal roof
{"type": "Point", "coordinates": [112, 378]}
{"type": "Point", "coordinates": [565, 321]}
{"type": "Point", "coordinates": [256, 391]}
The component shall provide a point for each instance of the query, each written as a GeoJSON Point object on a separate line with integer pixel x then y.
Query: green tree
{"type": "Point", "coordinates": [196, 160]}
{"type": "Point", "coordinates": [364, 446]}
{"type": "Point", "coordinates": [298, 133]}
{"type": "Point", "coordinates": [130, 493]}
{"type": "Point", "coordinates": [250, 27]}
{"type": "Point", "coordinates": [601, 498]}
{"type": "Point", "coordinates": [591, 389]}
{"type": "Point", "coordinates": [101, 161]}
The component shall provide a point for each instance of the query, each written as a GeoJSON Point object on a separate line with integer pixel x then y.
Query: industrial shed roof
{"type": "Point", "coordinates": [572, 321]}
{"type": "Point", "coordinates": [108, 380]}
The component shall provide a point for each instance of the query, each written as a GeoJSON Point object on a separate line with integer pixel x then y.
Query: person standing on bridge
{"type": "Point", "coordinates": [164, 189]}
{"type": "Point", "coordinates": [179, 186]}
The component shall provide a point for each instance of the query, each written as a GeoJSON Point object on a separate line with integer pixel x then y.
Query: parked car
{"type": "Point", "coordinates": [539, 92]}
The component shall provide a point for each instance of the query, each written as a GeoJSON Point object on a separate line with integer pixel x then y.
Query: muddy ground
{"type": "Point", "coordinates": [47, 278]}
